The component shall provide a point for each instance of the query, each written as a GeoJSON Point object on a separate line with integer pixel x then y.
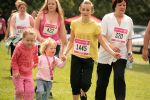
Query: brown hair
{"type": "Point", "coordinates": [19, 3]}
{"type": "Point", "coordinates": [59, 9]}
{"type": "Point", "coordinates": [114, 3]}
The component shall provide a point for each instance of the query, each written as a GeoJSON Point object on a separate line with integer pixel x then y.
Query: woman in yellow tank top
{"type": "Point", "coordinates": [85, 34]}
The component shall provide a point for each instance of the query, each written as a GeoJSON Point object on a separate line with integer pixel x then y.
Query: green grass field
{"type": "Point", "coordinates": [137, 80]}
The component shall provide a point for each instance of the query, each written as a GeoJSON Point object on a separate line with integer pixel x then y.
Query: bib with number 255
{"type": "Point", "coordinates": [82, 47]}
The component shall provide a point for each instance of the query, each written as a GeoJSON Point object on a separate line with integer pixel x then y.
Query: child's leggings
{"type": "Point", "coordinates": [24, 88]}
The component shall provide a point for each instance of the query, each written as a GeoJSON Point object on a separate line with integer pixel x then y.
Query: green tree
{"type": "Point", "coordinates": [67, 7]}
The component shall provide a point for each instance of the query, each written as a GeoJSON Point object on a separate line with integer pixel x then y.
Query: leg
{"type": "Point", "coordinates": [103, 74]}
{"type": "Point", "coordinates": [29, 89]}
{"type": "Point", "coordinates": [87, 69]}
{"type": "Point", "coordinates": [47, 86]}
{"type": "Point", "coordinates": [40, 89]}
{"type": "Point", "coordinates": [75, 76]}
{"type": "Point", "coordinates": [12, 47]}
{"type": "Point", "coordinates": [19, 88]}
{"type": "Point", "coordinates": [87, 74]}
{"type": "Point", "coordinates": [119, 79]}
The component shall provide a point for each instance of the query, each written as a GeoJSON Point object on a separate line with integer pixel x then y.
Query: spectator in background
{"type": "Point", "coordinates": [146, 48]}
{"type": "Point", "coordinates": [3, 32]}
{"type": "Point", "coordinates": [34, 14]}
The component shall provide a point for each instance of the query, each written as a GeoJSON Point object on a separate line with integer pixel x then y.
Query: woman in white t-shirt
{"type": "Point", "coordinates": [117, 29]}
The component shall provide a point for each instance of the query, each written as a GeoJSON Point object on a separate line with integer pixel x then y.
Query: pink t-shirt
{"type": "Point", "coordinates": [49, 30]}
{"type": "Point", "coordinates": [44, 68]}
{"type": "Point", "coordinates": [24, 59]}
{"type": "Point", "coordinates": [2, 24]}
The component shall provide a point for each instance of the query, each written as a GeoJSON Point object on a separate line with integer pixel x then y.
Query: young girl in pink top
{"type": "Point", "coordinates": [24, 59]}
{"type": "Point", "coordinates": [47, 63]}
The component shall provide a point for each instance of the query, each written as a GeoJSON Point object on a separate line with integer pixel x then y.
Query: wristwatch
{"type": "Point", "coordinates": [129, 53]}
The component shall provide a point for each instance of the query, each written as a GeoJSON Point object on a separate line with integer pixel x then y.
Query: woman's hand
{"type": "Point", "coordinates": [130, 57]}
{"type": "Point", "coordinates": [117, 55]}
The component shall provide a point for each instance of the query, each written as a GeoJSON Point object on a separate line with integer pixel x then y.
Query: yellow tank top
{"type": "Point", "coordinates": [86, 39]}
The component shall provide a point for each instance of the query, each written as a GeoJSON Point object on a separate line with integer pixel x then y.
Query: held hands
{"type": "Point", "coordinates": [117, 55]}
{"type": "Point", "coordinates": [63, 58]}
{"type": "Point", "coordinates": [115, 49]}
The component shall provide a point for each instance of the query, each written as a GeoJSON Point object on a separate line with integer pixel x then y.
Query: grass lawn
{"type": "Point", "coordinates": [137, 80]}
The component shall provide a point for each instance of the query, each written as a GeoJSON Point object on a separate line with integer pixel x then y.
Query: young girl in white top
{"type": "Point", "coordinates": [47, 63]}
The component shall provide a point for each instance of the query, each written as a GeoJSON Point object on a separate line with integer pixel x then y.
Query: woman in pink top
{"type": "Point", "coordinates": [50, 23]}
{"type": "Point", "coordinates": [24, 59]}
{"type": "Point", "coordinates": [47, 63]}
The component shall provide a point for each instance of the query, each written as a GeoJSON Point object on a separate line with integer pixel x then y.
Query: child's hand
{"type": "Point", "coordinates": [63, 58]}
{"type": "Point", "coordinates": [35, 65]}
{"type": "Point", "coordinates": [16, 75]}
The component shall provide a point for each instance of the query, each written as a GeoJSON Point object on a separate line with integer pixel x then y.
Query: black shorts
{"type": "Point", "coordinates": [2, 36]}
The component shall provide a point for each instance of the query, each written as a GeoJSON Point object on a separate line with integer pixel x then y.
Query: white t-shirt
{"type": "Point", "coordinates": [117, 35]}
{"type": "Point", "coordinates": [20, 25]}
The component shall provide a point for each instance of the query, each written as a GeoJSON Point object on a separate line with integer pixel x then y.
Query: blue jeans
{"type": "Point", "coordinates": [43, 89]}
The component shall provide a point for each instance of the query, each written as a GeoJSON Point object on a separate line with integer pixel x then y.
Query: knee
{"type": "Point", "coordinates": [86, 86]}
{"type": "Point", "coordinates": [19, 92]}
{"type": "Point", "coordinates": [75, 89]}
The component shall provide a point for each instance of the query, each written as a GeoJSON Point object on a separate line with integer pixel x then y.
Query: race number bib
{"type": "Point", "coordinates": [0, 26]}
{"type": "Point", "coordinates": [120, 35]}
{"type": "Point", "coordinates": [82, 47]}
{"type": "Point", "coordinates": [20, 30]}
{"type": "Point", "coordinates": [50, 29]}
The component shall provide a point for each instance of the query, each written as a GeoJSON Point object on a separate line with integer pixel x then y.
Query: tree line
{"type": "Point", "coordinates": [138, 10]}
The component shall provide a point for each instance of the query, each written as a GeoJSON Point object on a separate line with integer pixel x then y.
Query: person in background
{"type": "Point", "coordinates": [85, 34]}
{"type": "Point", "coordinates": [34, 14]}
{"type": "Point", "coordinates": [47, 63]}
{"type": "Point", "coordinates": [3, 32]}
{"type": "Point", "coordinates": [24, 59]}
{"type": "Point", "coordinates": [146, 48]}
{"type": "Point", "coordinates": [117, 29]}
{"type": "Point", "coordinates": [18, 22]}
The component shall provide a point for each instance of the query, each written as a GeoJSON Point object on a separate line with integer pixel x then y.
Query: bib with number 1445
{"type": "Point", "coordinates": [82, 47]}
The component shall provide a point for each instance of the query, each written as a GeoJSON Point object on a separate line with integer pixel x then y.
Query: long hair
{"type": "Point", "coordinates": [59, 9]}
